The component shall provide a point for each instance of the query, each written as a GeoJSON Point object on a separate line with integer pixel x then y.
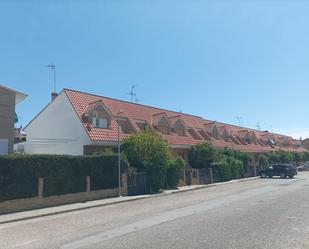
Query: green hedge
{"type": "Point", "coordinates": [62, 174]}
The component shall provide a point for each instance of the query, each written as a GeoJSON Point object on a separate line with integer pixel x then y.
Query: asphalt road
{"type": "Point", "coordinates": [262, 213]}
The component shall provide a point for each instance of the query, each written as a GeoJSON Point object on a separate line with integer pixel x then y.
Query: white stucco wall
{"type": "Point", "coordinates": [56, 130]}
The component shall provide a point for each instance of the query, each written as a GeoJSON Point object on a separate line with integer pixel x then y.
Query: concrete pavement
{"type": "Point", "coordinates": [265, 213]}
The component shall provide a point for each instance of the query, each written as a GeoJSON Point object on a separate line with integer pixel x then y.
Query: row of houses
{"type": "Point", "coordinates": [79, 123]}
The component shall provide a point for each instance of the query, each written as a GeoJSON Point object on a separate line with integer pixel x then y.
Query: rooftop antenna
{"type": "Point", "coordinates": [239, 118]}
{"type": "Point", "coordinates": [137, 100]}
{"type": "Point", "coordinates": [271, 128]}
{"type": "Point", "coordinates": [133, 94]}
{"type": "Point", "coordinates": [53, 68]}
{"type": "Point", "coordinates": [258, 125]}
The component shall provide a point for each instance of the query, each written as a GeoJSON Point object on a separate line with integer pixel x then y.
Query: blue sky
{"type": "Point", "coordinates": [215, 59]}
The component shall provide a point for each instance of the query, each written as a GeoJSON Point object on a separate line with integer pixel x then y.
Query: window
{"type": "Point", "coordinates": [99, 122]}
{"type": "Point", "coordinates": [103, 123]}
{"type": "Point", "coordinates": [95, 119]}
{"type": "Point", "coordinates": [164, 129]}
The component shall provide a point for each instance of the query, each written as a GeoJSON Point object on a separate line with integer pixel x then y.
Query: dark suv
{"type": "Point", "coordinates": [282, 170]}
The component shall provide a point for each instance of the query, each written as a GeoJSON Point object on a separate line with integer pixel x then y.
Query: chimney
{"type": "Point", "coordinates": [53, 96]}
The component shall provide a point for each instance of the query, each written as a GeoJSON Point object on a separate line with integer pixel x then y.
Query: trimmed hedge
{"type": "Point", "coordinates": [62, 174]}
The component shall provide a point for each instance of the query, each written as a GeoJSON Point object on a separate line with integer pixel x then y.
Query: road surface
{"type": "Point", "coordinates": [262, 213]}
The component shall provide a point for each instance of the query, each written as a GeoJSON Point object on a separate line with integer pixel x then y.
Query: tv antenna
{"type": "Point", "coordinates": [52, 67]}
{"type": "Point", "coordinates": [133, 94]}
{"type": "Point", "coordinates": [271, 128]}
{"type": "Point", "coordinates": [258, 125]}
{"type": "Point", "coordinates": [240, 120]}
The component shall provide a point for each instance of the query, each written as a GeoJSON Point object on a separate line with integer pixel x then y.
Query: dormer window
{"type": "Point", "coordinates": [180, 128]}
{"type": "Point", "coordinates": [99, 122]}
{"type": "Point", "coordinates": [162, 123]}
{"type": "Point", "coordinates": [98, 115]}
{"type": "Point", "coordinates": [212, 129]}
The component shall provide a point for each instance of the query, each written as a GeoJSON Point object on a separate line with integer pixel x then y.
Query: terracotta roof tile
{"type": "Point", "coordinates": [82, 101]}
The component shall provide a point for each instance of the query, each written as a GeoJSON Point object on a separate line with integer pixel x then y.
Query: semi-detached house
{"type": "Point", "coordinates": [79, 123]}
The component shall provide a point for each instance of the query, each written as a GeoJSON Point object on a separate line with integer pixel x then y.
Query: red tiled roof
{"type": "Point", "coordinates": [83, 101]}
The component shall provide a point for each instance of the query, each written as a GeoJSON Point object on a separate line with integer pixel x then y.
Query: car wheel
{"type": "Point", "coordinates": [270, 176]}
{"type": "Point", "coordinates": [282, 176]}
{"type": "Point", "coordinates": [292, 176]}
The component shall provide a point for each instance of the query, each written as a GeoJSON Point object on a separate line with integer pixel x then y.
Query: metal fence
{"type": "Point", "coordinates": [138, 184]}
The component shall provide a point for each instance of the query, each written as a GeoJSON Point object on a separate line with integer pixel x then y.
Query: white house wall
{"type": "Point", "coordinates": [56, 130]}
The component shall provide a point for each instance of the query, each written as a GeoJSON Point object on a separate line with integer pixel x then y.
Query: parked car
{"type": "Point", "coordinates": [282, 170]}
{"type": "Point", "coordinates": [300, 168]}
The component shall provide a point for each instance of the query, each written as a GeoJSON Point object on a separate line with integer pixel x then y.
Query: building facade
{"type": "Point", "coordinates": [9, 98]}
{"type": "Point", "coordinates": [79, 123]}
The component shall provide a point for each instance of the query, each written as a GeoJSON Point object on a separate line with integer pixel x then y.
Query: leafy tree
{"type": "Point", "coordinates": [237, 168]}
{"type": "Point", "coordinates": [273, 157]}
{"type": "Point", "coordinates": [202, 155]}
{"type": "Point", "coordinates": [285, 157]}
{"type": "Point", "coordinates": [297, 157]}
{"type": "Point", "coordinates": [148, 151]}
{"type": "Point", "coordinates": [246, 159]}
{"type": "Point", "coordinates": [228, 152]}
{"type": "Point", "coordinates": [263, 161]}
{"type": "Point", "coordinates": [223, 168]}
{"type": "Point", "coordinates": [173, 171]}
{"type": "Point", "coordinates": [305, 156]}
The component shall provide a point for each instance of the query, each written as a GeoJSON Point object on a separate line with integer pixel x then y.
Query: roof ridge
{"type": "Point", "coordinates": [162, 109]}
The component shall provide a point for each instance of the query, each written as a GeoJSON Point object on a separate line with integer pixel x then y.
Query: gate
{"type": "Point", "coordinates": [138, 184]}
{"type": "Point", "coordinates": [204, 176]}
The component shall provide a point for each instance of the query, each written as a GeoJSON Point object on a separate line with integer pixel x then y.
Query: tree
{"type": "Point", "coordinates": [263, 161]}
{"type": "Point", "coordinates": [297, 157]}
{"type": "Point", "coordinates": [202, 155]}
{"type": "Point", "coordinates": [306, 156]}
{"type": "Point", "coordinates": [246, 159]}
{"type": "Point", "coordinates": [223, 169]}
{"type": "Point", "coordinates": [148, 151]}
{"type": "Point", "coordinates": [173, 171]}
{"type": "Point", "coordinates": [273, 157]}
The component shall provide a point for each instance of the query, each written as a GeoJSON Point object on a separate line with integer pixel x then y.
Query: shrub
{"type": "Point", "coordinates": [237, 168]}
{"type": "Point", "coordinates": [62, 174]}
{"type": "Point", "coordinates": [173, 171]}
{"type": "Point", "coordinates": [263, 161]}
{"type": "Point", "coordinates": [223, 169]}
{"type": "Point", "coordinates": [305, 156]}
{"type": "Point", "coordinates": [202, 155]}
{"type": "Point", "coordinates": [148, 151]}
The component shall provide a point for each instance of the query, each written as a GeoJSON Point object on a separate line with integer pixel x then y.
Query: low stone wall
{"type": "Point", "coordinates": [43, 202]}
{"type": "Point", "coordinates": [38, 202]}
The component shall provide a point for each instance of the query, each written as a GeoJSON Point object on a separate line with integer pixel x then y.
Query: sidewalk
{"type": "Point", "coordinates": [6, 218]}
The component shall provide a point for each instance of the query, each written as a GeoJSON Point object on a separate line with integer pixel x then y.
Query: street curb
{"type": "Point", "coordinates": [128, 200]}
